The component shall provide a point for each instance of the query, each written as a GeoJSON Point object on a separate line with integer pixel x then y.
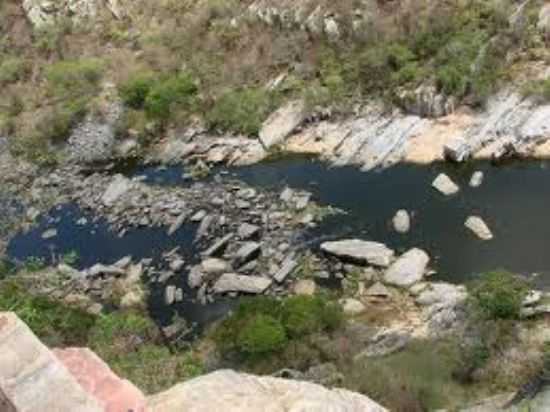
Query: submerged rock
{"type": "Point", "coordinates": [479, 227]}
{"type": "Point", "coordinates": [476, 179]}
{"type": "Point", "coordinates": [49, 234]}
{"type": "Point", "coordinates": [361, 251]}
{"type": "Point", "coordinates": [402, 221]}
{"type": "Point", "coordinates": [408, 269]}
{"type": "Point", "coordinates": [445, 185]}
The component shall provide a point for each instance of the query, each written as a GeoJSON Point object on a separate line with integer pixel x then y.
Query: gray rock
{"type": "Point", "coordinates": [218, 246]}
{"type": "Point", "coordinates": [247, 231]}
{"type": "Point", "coordinates": [408, 269]}
{"type": "Point", "coordinates": [445, 185]}
{"type": "Point", "coordinates": [305, 287]}
{"type": "Point", "coordinates": [231, 282]}
{"type": "Point", "coordinates": [213, 266]}
{"type": "Point", "coordinates": [302, 201]}
{"type": "Point", "coordinates": [247, 252]}
{"type": "Point", "coordinates": [287, 195]}
{"type": "Point", "coordinates": [99, 269]}
{"type": "Point", "coordinates": [49, 234]}
{"type": "Point", "coordinates": [170, 295]}
{"type": "Point", "coordinates": [195, 278]}
{"type": "Point", "coordinates": [402, 221]}
{"type": "Point", "coordinates": [352, 307]}
{"type": "Point", "coordinates": [32, 213]}
{"type": "Point", "coordinates": [360, 251]}
{"type": "Point", "coordinates": [288, 266]}
{"type": "Point", "coordinates": [282, 123]}
{"type": "Point", "coordinates": [476, 179]}
{"type": "Point", "coordinates": [124, 262]}
{"type": "Point", "coordinates": [127, 148]}
{"type": "Point", "coordinates": [176, 265]}
{"type": "Point", "coordinates": [378, 290]}
{"type": "Point", "coordinates": [532, 298]}
{"type": "Point", "coordinates": [199, 216]}
{"type": "Point", "coordinates": [457, 149]}
{"type": "Point", "coordinates": [204, 227]}
{"type": "Point", "coordinates": [479, 227]}
{"type": "Point", "coordinates": [442, 293]}
{"type": "Point", "coordinates": [178, 223]}
{"type": "Point", "coordinates": [118, 187]}
{"type": "Point", "coordinates": [385, 343]}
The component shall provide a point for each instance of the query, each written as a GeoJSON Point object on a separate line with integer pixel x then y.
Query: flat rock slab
{"type": "Point", "coordinates": [238, 392]}
{"type": "Point", "coordinates": [247, 252]}
{"type": "Point", "coordinates": [441, 293]}
{"type": "Point", "coordinates": [282, 123]}
{"type": "Point", "coordinates": [445, 185]}
{"type": "Point", "coordinates": [408, 269]}
{"type": "Point", "coordinates": [360, 251]}
{"type": "Point", "coordinates": [231, 282]}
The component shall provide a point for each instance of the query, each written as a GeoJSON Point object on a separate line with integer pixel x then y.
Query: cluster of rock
{"type": "Point", "coordinates": [512, 125]}
{"type": "Point", "coordinates": [384, 276]}
{"type": "Point", "coordinates": [47, 12]}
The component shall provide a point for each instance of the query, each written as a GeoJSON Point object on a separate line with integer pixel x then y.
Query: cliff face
{"type": "Point", "coordinates": [33, 378]}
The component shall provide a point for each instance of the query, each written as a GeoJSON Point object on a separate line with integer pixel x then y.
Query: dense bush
{"type": "Point", "coordinates": [262, 325]}
{"type": "Point", "coordinates": [166, 94]}
{"type": "Point", "coordinates": [135, 90]}
{"type": "Point", "coordinates": [499, 294]}
{"type": "Point", "coordinates": [13, 69]}
{"type": "Point", "coordinates": [241, 111]}
{"type": "Point", "coordinates": [261, 334]}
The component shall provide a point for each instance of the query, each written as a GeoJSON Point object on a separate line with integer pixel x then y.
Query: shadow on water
{"type": "Point", "coordinates": [513, 200]}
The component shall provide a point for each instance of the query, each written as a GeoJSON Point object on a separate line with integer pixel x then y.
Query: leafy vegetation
{"type": "Point", "coordinates": [129, 342]}
{"type": "Point", "coordinates": [499, 294]}
{"type": "Point", "coordinates": [13, 69]}
{"type": "Point", "coordinates": [167, 93]}
{"type": "Point", "coordinates": [265, 325]}
{"type": "Point", "coordinates": [539, 89]}
{"type": "Point", "coordinates": [241, 111]}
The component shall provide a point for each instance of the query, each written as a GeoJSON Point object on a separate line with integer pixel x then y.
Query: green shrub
{"type": "Point", "coordinates": [13, 69]}
{"type": "Point", "coordinates": [241, 111]}
{"type": "Point", "coordinates": [261, 334]}
{"type": "Point", "coordinates": [136, 89]}
{"type": "Point", "coordinates": [166, 94]}
{"type": "Point", "coordinates": [54, 323]}
{"type": "Point", "coordinates": [539, 89]}
{"type": "Point", "coordinates": [262, 325]}
{"type": "Point", "coordinates": [304, 315]}
{"type": "Point", "coordinates": [499, 294]}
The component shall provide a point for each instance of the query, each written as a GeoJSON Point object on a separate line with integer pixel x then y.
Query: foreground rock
{"type": "Point", "coordinates": [408, 269]}
{"type": "Point", "coordinates": [360, 251]}
{"type": "Point", "coordinates": [479, 227]}
{"type": "Point", "coordinates": [445, 185]}
{"type": "Point", "coordinates": [477, 179]}
{"type": "Point", "coordinates": [246, 393]}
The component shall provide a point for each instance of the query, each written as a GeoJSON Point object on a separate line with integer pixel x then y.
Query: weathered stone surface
{"type": "Point", "coordinates": [218, 246]}
{"type": "Point", "coordinates": [231, 282]}
{"type": "Point", "coordinates": [457, 149]}
{"type": "Point", "coordinates": [402, 221]}
{"type": "Point", "coordinates": [352, 307]}
{"type": "Point", "coordinates": [247, 231]}
{"type": "Point", "coordinates": [408, 269]}
{"type": "Point", "coordinates": [246, 393]}
{"type": "Point", "coordinates": [247, 252]}
{"type": "Point", "coordinates": [215, 266]}
{"type": "Point", "coordinates": [378, 290]}
{"type": "Point", "coordinates": [385, 342]}
{"type": "Point", "coordinates": [98, 380]}
{"type": "Point", "coordinates": [32, 379]}
{"type": "Point", "coordinates": [195, 278]}
{"type": "Point", "coordinates": [282, 123]}
{"type": "Point", "coordinates": [479, 227]}
{"type": "Point", "coordinates": [360, 251]}
{"type": "Point", "coordinates": [477, 179]}
{"type": "Point", "coordinates": [445, 185]}
{"type": "Point", "coordinates": [441, 293]}
{"type": "Point", "coordinates": [288, 266]}
{"type": "Point", "coordinates": [118, 187]}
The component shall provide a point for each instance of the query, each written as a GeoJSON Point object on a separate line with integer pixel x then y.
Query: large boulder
{"type": "Point", "coordinates": [236, 392]}
{"type": "Point", "coordinates": [445, 185]}
{"type": "Point", "coordinates": [282, 123]}
{"type": "Point", "coordinates": [360, 251]}
{"type": "Point", "coordinates": [408, 269]}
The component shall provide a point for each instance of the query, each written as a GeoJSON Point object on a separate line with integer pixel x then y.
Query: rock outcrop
{"type": "Point", "coordinates": [230, 391]}
{"type": "Point", "coordinates": [408, 269]}
{"type": "Point", "coordinates": [360, 251]}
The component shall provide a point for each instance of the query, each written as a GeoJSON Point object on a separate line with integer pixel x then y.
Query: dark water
{"type": "Point", "coordinates": [514, 200]}
{"type": "Point", "coordinates": [95, 243]}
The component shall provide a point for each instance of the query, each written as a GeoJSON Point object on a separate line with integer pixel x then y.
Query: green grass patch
{"type": "Point", "coordinates": [13, 69]}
